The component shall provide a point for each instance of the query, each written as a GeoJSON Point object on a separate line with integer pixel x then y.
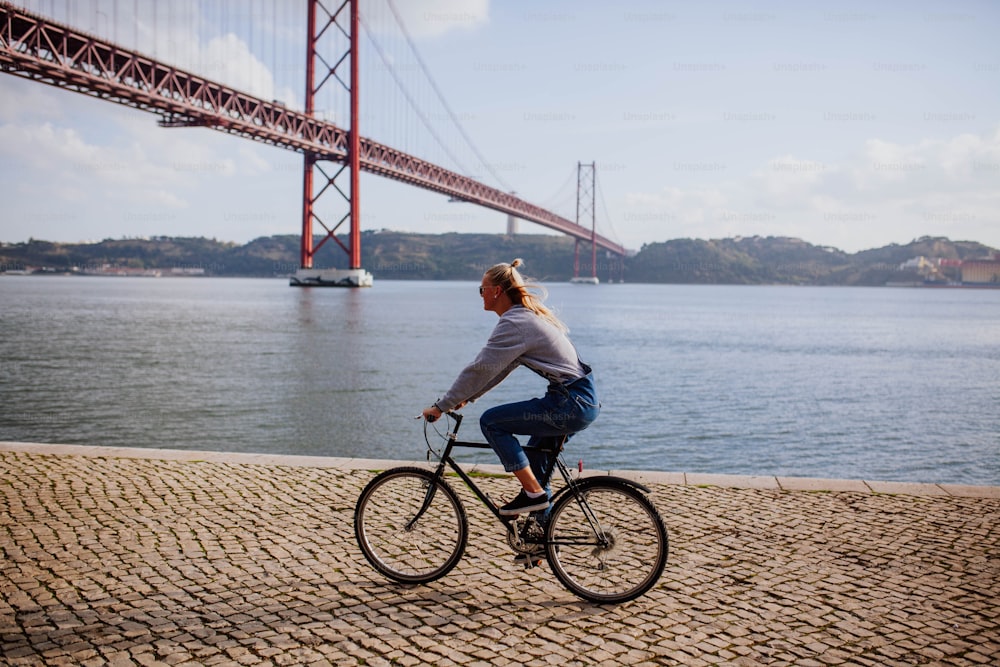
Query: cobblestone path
{"type": "Point", "coordinates": [118, 561]}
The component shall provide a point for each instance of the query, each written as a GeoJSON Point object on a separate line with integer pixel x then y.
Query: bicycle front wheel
{"type": "Point", "coordinates": [410, 525]}
{"type": "Point", "coordinates": [606, 543]}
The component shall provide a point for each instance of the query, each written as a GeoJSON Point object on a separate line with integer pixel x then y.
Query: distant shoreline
{"type": "Point", "coordinates": [70, 274]}
{"type": "Point", "coordinates": [924, 262]}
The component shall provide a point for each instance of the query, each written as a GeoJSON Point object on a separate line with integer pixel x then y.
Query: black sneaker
{"type": "Point", "coordinates": [523, 504]}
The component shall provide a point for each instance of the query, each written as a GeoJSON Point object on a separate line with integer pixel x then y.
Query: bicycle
{"type": "Point", "coordinates": [603, 538]}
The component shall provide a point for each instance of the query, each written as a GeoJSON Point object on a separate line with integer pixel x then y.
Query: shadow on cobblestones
{"type": "Point", "coordinates": [151, 562]}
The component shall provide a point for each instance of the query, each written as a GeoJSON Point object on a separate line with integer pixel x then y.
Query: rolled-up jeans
{"type": "Point", "coordinates": [563, 411]}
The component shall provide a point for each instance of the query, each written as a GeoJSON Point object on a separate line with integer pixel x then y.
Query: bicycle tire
{"type": "Point", "coordinates": [634, 556]}
{"type": "Point", "coordinates": [420, 553]}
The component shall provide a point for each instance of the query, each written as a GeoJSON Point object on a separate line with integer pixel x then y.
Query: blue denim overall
{"type": "Point", "coordinates": [564, 410]}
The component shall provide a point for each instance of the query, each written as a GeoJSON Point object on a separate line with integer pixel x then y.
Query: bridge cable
{"type": "Point", "coordinates": [423, 118]}
{"type": "Point", "coordinates": [604, 204]}
{"type": "Point", "coordinates": [562, 192]}
{"type": "Point", "coordinates": [444, 103]}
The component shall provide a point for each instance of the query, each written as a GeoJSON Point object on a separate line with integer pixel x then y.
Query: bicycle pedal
{"type": "Point", "coordinates": [529, 561]}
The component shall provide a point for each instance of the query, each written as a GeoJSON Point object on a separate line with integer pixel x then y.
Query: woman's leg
{"type": "Point", "coordinates": [541, 451]}
{"type": "Point", "coordinates": [529, 482]}
{"type": "Point", "coordinates": [552, 416]}
{"type": "Point", "coordinates": [557, 415]}
{"type": "Point", "coordinates": [501, 423]}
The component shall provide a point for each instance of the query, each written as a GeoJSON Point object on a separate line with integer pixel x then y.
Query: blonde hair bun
{"type": "Point", "coordinates": [512, 283]}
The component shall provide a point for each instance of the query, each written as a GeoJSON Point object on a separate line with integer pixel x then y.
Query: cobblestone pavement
{"type": "Point", "coordinates": [126, 561]}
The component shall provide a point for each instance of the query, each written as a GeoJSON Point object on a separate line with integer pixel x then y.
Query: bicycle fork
{"type": "Point", "coordinates": [603, 540]}
{"type": "Point", "coordinates": [432, 485]}
{"type": "Point", "coordinates": [428, 498]}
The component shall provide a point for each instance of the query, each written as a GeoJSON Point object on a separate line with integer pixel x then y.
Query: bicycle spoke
{"type": "Point", "coordinates": [620, 563]}
{"type": "Point", "coordinates": [406, 533]}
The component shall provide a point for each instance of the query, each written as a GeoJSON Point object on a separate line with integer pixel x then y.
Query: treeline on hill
{"type": "Point", "coordinates": [403, 256]}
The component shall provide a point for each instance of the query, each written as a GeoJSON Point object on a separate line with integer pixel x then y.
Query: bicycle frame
{"type": "Point", "coordinates": [446, 461]}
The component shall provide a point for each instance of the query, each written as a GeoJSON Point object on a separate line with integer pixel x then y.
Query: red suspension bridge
{"type": "Point", "coordinates": [51, 52]}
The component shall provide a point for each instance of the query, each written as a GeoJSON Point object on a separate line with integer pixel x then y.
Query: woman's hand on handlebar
{"type": "Point", "coordinates": [433, 413]}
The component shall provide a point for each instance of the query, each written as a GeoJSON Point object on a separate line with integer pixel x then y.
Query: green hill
{"type": "Point", "coordinates": [403, 256]}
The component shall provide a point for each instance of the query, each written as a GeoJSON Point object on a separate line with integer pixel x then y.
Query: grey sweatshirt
{"type": "Point", "coordinates": [520, 338]}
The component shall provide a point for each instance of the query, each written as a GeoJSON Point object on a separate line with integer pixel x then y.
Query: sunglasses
{"type": "Point", "coordinates": [483, 289]}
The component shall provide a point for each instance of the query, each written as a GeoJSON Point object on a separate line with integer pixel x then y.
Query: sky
{"type": "Point", "coordinates": [847, 124]}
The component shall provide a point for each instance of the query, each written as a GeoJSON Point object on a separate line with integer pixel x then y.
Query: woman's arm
{"type": "Point", "coordinates": [494, 362]}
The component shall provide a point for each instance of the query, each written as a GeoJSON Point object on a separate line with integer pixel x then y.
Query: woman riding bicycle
{"type": "Point", "coordinates": [527, 334]}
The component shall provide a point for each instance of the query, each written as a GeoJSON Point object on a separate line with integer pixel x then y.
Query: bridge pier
{"type": "Point", "coordinates": [330, 278]}
{"type": "Point", "coordinates": [307, 275]}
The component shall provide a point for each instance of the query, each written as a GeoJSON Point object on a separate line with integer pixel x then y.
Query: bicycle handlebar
{"type": "Point", "coordinates": [451, 413]}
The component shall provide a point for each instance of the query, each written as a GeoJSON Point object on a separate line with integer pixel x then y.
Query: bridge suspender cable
{"type": "Point", "coordinates": [444, 103]}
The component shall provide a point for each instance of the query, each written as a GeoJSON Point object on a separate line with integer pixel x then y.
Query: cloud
{"type": "Point", "coordinates": [251, 161]}
{"type": "Point", "coordinates": [33, 103]}
{"type": "Point", "coordinates": [61, 158]}
{"type": "Point", "coordinates": [228, 59]}
{"type": "Point", "coordinates": [682, 211]}
{"type": "Point", "coordinates": [884, 192]}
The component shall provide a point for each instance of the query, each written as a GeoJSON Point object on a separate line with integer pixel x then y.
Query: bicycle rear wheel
{"type": "Point", "coordinates": [410, 525]}
{"type": "Point", "coordinates": [608, 543]}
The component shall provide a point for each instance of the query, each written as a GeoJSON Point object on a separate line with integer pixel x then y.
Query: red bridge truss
{"type": "Point", "coordinates": [40, 49]}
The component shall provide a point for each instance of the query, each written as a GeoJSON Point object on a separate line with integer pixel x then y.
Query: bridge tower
{"type": "Point", "coordinates": [345, 21]}
{"type": "Point", "coordinates": [586, 197]}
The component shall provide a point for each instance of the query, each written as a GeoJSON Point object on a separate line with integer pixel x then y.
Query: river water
{"type": "Point", "coordinates": [891, 384]}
